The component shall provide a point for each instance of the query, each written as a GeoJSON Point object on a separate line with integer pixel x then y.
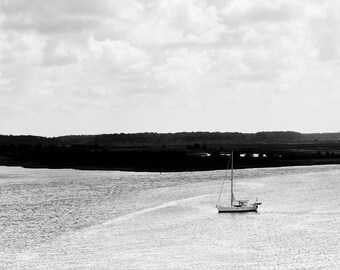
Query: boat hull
{"type": "Point", "coordinates": [234, 209]}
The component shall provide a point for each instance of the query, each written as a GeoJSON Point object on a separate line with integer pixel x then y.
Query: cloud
{"type": "Point", "coordinates": [119, 53]}
{"type": "Point", "coordinates": [19, 48]}
{"type": "Point", "coordinates": [4, 84]}
{"type": "Point", "coordinates": [179, 22]}
{"type": "Point", "coordinates": [58, 52]}
{"type": "Point", "coordinates": [170, 57]}
{"type": "Point", "coordinates": [245, 11]}
{"type": "Point", "coordinates": [325, 30]}
{"type": "Point", "coordinates": [62, 17]}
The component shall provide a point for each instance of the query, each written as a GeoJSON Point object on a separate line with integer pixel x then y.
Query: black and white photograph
{"type": "Point", "coordinates": [169, 134]}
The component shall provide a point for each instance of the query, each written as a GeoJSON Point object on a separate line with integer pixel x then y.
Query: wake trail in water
{"type": "Point", "coordinates": [150, 209]}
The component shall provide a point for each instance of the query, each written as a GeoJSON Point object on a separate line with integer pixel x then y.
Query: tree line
{"type": "Point", "coordinates": [180, 138]}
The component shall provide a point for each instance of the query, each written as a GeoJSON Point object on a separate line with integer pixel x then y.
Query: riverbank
{"type": "Point", "coordinates": [168, 158]}
{"type": "Point", "coordinates": [240, 164]}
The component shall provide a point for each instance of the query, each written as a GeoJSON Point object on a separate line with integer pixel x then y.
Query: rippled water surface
{"type": "Point", "coordinates": [69, 219]}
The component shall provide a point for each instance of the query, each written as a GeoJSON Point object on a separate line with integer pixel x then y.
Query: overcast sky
{"type": "Point", "coordinates": [106, 66]}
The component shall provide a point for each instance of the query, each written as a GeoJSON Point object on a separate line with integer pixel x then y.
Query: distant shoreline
{"type": "Point", "coordinates": [159, 157]}
{"type": "Point", "coordinates": [286, 163]}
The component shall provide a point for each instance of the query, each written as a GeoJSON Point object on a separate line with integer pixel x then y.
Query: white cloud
{"type": "Point", "coordinates": [119, 53]}
{"type": "Point", "coordinates": [22, 48]}
{"type": "Point", "coordinates": [178, 22]}
{"type": "Point", "coordinates": [60, 52]}
{"type": "Point", "coordinates": [64, 16]}
{"type": "Point", "coordinates": [152, 59]}
{"type": "Point", "coordinates": [5, 84]}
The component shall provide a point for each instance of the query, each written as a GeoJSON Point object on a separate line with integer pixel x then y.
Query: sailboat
{"type": "Point", "coordinates": [236, 206]}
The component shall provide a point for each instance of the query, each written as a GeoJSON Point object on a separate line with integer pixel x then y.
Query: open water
{"type": "Point", "coordinates": [69, 219]}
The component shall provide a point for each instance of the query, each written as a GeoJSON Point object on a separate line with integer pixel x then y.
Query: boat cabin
{"type": "Point", "coordinates": [240, 203]}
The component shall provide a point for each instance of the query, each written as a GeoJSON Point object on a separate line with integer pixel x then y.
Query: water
{"type": "Point", "coordinates": [69, 219]}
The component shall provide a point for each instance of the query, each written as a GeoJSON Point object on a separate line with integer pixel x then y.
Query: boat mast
{"type": "Point", "coordinates": [232, 177]}
{"type": "Point", "coordinates": [224, 179]}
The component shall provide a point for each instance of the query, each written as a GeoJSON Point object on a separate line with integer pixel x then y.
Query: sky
{"type": "Point", "coordinates": [109, 66]}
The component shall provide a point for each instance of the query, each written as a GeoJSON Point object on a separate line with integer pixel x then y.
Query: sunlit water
{"type": "Point", "coordinates": [69, 219]}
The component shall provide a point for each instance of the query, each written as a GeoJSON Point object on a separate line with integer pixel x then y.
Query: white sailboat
{"type": "Point", "coordinates": [236, 206]}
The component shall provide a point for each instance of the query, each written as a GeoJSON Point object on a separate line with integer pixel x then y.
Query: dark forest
{"type": "Point", "coordinates": [183, 151]}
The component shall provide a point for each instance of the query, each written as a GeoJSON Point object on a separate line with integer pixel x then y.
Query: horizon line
{"type": "Point", "coordinates": [177, 132]}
